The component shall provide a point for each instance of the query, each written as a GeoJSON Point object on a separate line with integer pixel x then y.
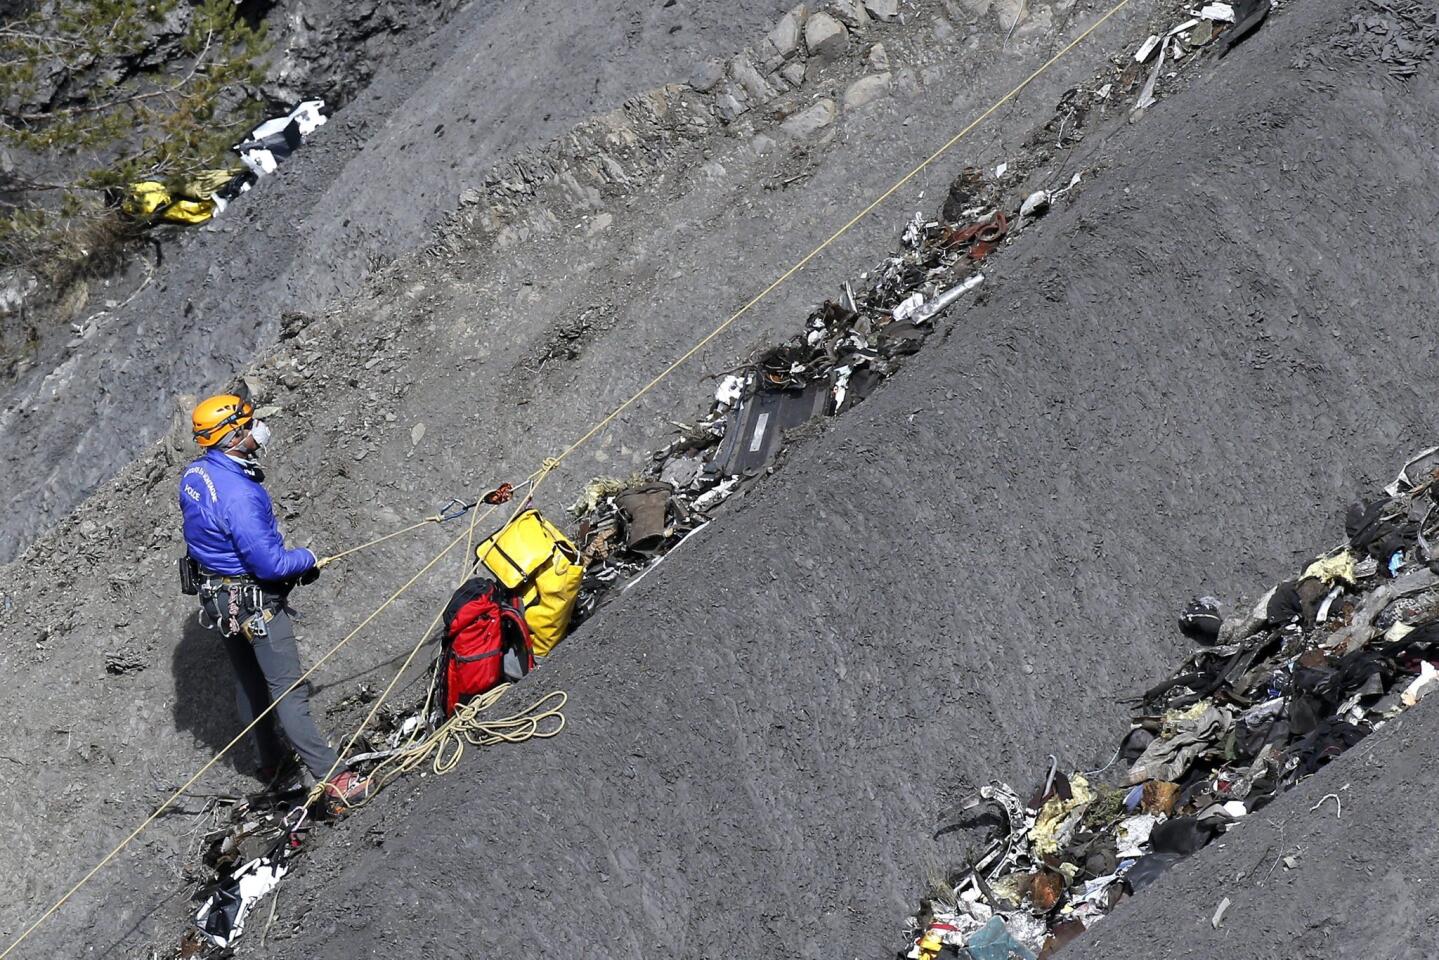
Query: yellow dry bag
{"type": "Point", "coordinates": [532, 557]}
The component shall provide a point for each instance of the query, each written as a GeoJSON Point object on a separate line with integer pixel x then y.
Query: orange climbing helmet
{"type": "Point", "coordinates": [215, 417]}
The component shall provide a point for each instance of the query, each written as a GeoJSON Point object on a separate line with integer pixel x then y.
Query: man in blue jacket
{"type": "Point", "coordinates": [246, 573]}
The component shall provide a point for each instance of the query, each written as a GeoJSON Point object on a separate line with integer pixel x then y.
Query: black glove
{"type": "Point", "coordinates": [310, 576]}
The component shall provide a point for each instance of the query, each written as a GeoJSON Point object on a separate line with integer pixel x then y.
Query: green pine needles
{"type": "Point", "coordinates": [96, 94]}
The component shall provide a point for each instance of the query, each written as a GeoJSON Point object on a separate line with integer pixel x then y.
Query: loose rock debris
{"type": "Point", "coordinates": [1401, 34]}
{"type": "Point", "coordinates": [1270, 694]}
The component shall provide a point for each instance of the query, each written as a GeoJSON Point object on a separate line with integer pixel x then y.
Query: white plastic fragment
{"type": "Point", "coordinates": [841, 384]}
{"type": "Point", "coordinates": [1146, 96]}
{"type": "Point", "coordinates": [1147, 48]}
{"type": "Point", "coordinates": [908, 306]}
{"type": "Point", "coordinates": [1402, 481]}
{"type": "Point", "coordinates": [1421, 686]}
{"type": "Point", "coordinates": [256, 879]}
{"type": "Point", "coordinates": [1133, 835]}
{"type": "Point", "coordinates": [261, 162]}
{"type": "Point", "coordinates": [1035, 204]}
{"type": "Point", "coordinates": [1329, 598]}
{"type": "Point", "coordinates": [1219, 913]}
{"type": "Point", "coordinates": [306, 116]}
{"type": "Point", "coordinates": [1235, 808]}
{"type": "Point", "coordinates": [716, 494]}
{"type": "Point", "coordinates": [1398, 631]}
{"type": "Point", "coordinates": [1222, 12]}
{"type": "Point", "coordinates": [1182, 27]}
{"type": "Point", "coordinates": [1001, 170]}
{"type": "Point", "coordinates": [729, 390]}
{"type": "Point", "coordinates": [913, 231]}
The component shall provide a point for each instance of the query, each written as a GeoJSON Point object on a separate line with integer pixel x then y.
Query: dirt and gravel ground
{"type": "Point", "coordinates": [1169, 386]}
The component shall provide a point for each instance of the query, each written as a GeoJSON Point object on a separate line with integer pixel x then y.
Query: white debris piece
{"type": "Point", "coordinates": [1421, 686]}
{"type": "Point", "coordinates": [1133, 835]}
{"type": "Point", "coordinates": [841, 384]}
{"type": "Point", "coordinates": [1146, 96]}
{"type": "Point", "coordinates": [306, 116]}
{"type": "Point", "coordinates": [1222, 12]}
{"type": "Point", "coordinates": [256, 879]}
{"type": "Point", "coordinates": [928, 311]}
{"type": "Point", "coordinates": [1035, 204]}
{"type": "Point", "coordinates": [1219, 913]}
{"type": "Point", "coordinates": [908, 306]}
{"type": "Point", "coordinates": [729, 390]}
{"type": "Point", "coordinates": [716, 495]}
{"type": "Point", "coordinates": [913, 231]}
{"type": "Point", "coordinates": [261, 162]}
{"type": "Point", "coordinates": [1147, 48]}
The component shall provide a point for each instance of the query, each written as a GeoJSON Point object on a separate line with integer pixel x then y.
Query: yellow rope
{"type": "Point", "coordinates": [324, 561]}
{"type": "Point", "coordinates": [443, 748]}
{"type": "Point", "coordinates": [550, 464]}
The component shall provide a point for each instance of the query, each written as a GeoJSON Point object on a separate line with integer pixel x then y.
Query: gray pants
{"type": "Point", "coordinates": [265, 669]}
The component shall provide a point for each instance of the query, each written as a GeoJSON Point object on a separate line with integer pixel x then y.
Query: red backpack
{"type": "Point", "coordinates": [486, 643]}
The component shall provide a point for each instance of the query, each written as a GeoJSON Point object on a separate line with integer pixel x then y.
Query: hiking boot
{"type": "Point", "coordinates": [275, 777]}
{"type": "Point", "coordinates": [344, 790]}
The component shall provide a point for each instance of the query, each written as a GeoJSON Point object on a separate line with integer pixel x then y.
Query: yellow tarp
{"type": "Point", "coordinates": [194, 203]}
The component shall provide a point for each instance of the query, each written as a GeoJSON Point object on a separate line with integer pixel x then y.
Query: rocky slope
{"type": "Point", "coordinates": [441, 110]}
{"type": "Point", "coordinates": [946, 585]}
{"type": "Point", "coordinates": [964, 577]}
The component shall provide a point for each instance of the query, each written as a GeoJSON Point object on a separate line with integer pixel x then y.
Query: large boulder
{"type": "Point", "coordinates": [825, 37]}
{"type": "Point", "coordinates": [866, 90]}
{"type": "Point", "coordinates": [811, 120]}
{"type": "Point", "coordinates": [786, 34]}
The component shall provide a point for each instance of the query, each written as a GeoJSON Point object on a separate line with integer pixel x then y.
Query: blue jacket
{"type": "Point", "coordinates": [230, 523]}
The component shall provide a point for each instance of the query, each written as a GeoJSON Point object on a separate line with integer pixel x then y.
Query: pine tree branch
{"type": "Point", "coordinates": [13, 34]}
{"type": "Point", "coordinates": [89, 108]}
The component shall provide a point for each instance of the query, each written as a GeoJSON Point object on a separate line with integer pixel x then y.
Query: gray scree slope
{"type": "Point", "coordinates": [1173, 390]}
{"type": "Point", "coordinates": [762, 732]}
